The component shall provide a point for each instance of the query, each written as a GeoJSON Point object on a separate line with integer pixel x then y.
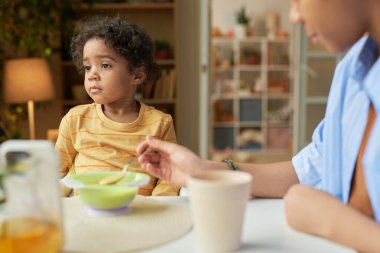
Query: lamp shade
{"type": "Point", "coordinates": [27, 79]}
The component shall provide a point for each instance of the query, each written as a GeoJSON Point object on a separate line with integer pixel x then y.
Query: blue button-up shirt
{"type": "Point", "coordinates": [329, 161]}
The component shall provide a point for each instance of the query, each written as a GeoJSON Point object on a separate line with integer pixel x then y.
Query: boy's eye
{"type": "Point", "coordinates": [106, 66]}
{"type": "Point", "coordinates": [86, 68]}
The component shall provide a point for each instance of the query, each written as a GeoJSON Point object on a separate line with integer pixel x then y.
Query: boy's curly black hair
{"type": "Point", "coordinates": [127, 39]}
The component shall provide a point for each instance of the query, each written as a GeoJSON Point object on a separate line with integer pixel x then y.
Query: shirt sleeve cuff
{"type": "Point", "coordinates": [307, 164]}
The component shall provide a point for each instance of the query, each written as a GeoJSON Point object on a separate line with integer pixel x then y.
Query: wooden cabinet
{"type": "Point", "coordinates": [158, 20]}
{"type": "Point", "coordinates": [251, 97]}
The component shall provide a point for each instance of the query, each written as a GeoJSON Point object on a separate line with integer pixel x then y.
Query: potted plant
{"type": "Point", "coordinates": [251, 57]}
{"type": "Point", "coordinates": [31, 28]}
{"type": "Point", "coordinates": [162, 50]}
{"type": "Point", "coordinates": [242, 21]}
{"type": "Point", "coordinates": [10, 120]}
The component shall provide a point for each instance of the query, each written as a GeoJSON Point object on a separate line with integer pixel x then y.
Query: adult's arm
{"type": "Point", "coordinates": [316, 212]}
{"type": "Point", "coordinates": [175, 164]}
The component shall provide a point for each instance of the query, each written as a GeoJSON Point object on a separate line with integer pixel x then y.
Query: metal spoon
{"type": "Point", "coordinates": [119, 176]}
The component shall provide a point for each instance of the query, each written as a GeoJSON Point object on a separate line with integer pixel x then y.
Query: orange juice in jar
{"type": "Point", "coordinates": [30, 235]}
{"type": "Point", "coordinates": [30, 217]}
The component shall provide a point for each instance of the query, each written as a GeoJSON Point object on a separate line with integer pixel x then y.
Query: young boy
{"type": "Point", "coordinates": [115, 57]}
{"type": "Point", "coordinates": [342, 162]}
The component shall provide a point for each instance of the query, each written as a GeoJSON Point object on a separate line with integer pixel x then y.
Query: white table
{"type": "Point", "coordinates": [265, 230]}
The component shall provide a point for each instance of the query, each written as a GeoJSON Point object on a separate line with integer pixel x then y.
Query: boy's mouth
{"type": "Point", "coordinates": [95, 89]}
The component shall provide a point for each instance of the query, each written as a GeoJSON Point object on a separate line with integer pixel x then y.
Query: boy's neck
{"type": "Point", "coordinates": [125, 113]}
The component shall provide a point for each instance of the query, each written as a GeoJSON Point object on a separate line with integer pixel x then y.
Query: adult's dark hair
{"type": "Point", "coordinates": [127, 39]}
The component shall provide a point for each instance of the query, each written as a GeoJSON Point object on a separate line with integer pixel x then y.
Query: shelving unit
{"type": "Point", "coordinates": [251, 97]}
{"type": "Point", "coordinates": [145, 15]}
{"type": "Point", "coordinates": [127, 6]}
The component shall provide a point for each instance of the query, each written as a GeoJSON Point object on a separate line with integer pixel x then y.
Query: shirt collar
{"type": "Point", "coordinates": [366, 59]}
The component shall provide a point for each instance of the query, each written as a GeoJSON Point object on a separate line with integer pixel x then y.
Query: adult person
{"type": "Point", "coordinates": [331, 186]}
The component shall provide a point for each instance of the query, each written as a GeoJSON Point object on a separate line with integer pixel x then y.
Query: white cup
{"type": "Point", "coordinates": [218, 200]}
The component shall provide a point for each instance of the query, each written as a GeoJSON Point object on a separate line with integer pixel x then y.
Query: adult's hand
{"type": "Point", "coordinates": [170, 162]}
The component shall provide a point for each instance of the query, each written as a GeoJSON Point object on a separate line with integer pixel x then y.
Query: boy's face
{"type": "Point", "coordinates": [336, 24]}
{"type": "Point", "coordinates": [107, 77]}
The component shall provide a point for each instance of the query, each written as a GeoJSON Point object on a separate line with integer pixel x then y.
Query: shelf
{"type": "Point", "coordinates": [278, 68]}
{"type": "Point", "coordinates": [224, 124]}
{"type": "Point", "coordinates": [253, 39]}
{"type": "Point", "coordinates": [273, 95]}
{"type": "Point", "coordinates": [226, 96]}
{"type": "Point", "coordinates": [166, 62]}
{"type": "Point", "coordinates": [126, 6]}
{"type": "Point", "coordinates": [245, 67]}
{"type": "Point", "coordinates": [252, 67]}
{"type": "Point", "coordinates": [259, 89]}
{"type": "Point", "coordinates": [263, 39]}
{"type": "Point", "coordinates": [278, 124]}
{"type": "Point", "coordinates": [244, 95]}
{"type": "Point", "coordinates": [250, 124]}
{"type": "Point", "coordinates": [216, 40]}
{"type": "Point", "coordinates": [222, 69]}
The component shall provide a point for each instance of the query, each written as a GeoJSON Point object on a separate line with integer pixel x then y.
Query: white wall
{"type": "Point", "coordinates": [224, 11]}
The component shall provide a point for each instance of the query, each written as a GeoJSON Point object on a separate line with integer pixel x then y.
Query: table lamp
{"type": "Point", "coordinates": [27, 80]}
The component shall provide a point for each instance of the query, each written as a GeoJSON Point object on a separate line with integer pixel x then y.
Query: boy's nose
{"type": "Point", "coordinates": [294, 14]}
{"type": "Point", "coordinates": [93, 75]}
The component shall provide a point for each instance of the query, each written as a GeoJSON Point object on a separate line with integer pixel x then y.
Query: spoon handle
{"type": "Point", "coordinates": [134, 160]}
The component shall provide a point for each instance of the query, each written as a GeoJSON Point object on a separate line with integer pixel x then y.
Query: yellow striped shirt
{"type": "Point", "coordinates": [89, 141]}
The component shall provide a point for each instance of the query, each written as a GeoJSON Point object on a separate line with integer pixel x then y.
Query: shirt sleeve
{"type": "Point", "coordinates": [308, 162]}
{"type": "Point", "coordinates": [162, 187]}
{"type": "Point", "coordinates": [64, 146]}
{"type": "Point", "coordinates": [167, 130]}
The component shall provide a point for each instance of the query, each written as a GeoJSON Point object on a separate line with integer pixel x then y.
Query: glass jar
{"type": "Point", "coordinates": [30, 217]}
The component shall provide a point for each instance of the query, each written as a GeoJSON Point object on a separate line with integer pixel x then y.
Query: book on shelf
{"type": "Point", "coordinates": [147, 90]}
{"type": "Point", "coordinates": [165, 86]}
{"type": "Point", "coordinates": [171, 84]}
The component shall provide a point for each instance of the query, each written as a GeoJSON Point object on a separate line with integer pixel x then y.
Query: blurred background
{"type": "Point", "coordinates": [240, 81]}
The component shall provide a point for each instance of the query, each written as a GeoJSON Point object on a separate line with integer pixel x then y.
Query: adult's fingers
{"type": "Point", "coordinates": [153, 170]}
{"type": "Point", "coordinates": [160, 146]}
{"type": "Point", "coordinates": [150, 158]}
{"type": "Point", "coordinates": [142, 147]}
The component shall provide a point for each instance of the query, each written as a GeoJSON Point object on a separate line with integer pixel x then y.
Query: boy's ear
{"type": "Point", "coordinates": [139, 76]}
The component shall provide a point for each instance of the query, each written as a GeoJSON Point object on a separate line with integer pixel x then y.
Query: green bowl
{"type": "Point", "coordinates": [107, 196]}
